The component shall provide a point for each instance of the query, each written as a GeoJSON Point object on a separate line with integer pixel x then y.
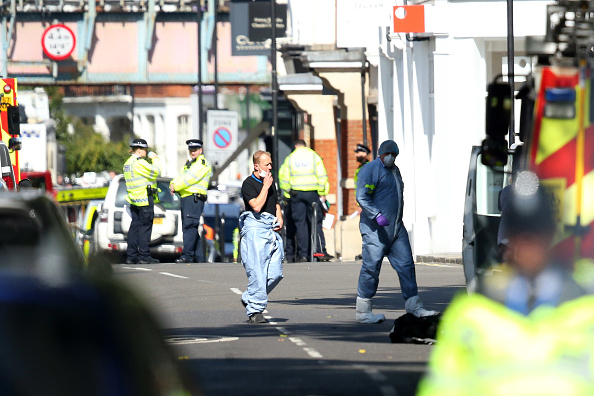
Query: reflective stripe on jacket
{"type": "Point", "coordinates": [139, 174]}
{"type": "Point", "coordinates": [303, 170]}
{"type": "Point", "coordinates": [193, 179]}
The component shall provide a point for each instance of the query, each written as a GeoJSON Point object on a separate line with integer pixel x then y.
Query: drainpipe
{"type": "Point", "coordinates": [364, 119]}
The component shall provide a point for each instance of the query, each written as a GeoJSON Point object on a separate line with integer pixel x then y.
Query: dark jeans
{"type": "Point", "coordinates": [139, 234]}
{"type": "Point", "coordinates": [191, 212]}
{"type": "Point", "coordinates": [302, 212]}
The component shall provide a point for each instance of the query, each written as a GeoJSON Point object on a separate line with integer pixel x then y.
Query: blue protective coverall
{"type": "Point", "coordinates": [262, 256]}
{"type": "Point", "coordinates": [380, 190]}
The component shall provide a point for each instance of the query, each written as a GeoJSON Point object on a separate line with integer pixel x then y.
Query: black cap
{"type": "Point", "coordinates": [362, 147]}
{"type": "Point", "coordinates": [194, 143]}
{"type": "Point", "coordinates": [141, 143]}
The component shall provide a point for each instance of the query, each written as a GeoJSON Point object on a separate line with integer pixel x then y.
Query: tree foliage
{"type": "Point", "coordinates": [86, 150]}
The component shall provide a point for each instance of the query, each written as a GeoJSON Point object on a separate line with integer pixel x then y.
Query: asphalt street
{"type": "Point", "coordinates": [311, 345]}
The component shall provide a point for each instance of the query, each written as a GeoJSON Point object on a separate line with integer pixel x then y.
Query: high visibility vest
{"type": "Point", "coordinates": [209, 232]}
{"type": "Point", "coordinates": [305, 171]}
{"type": "Point", "coordinates": [357, 172]}
{"type": "Point", "coordinates": [193, 178]}
{"type": "Point", "coordinates": [139, 175]}
{"type": "Point", "coordinates": [283, 180]}
{"type": "Point", "coordinates": [484, 348]}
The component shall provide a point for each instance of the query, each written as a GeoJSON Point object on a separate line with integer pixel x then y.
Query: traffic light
{"type": "Point", "coordinates": [498, 110]}
{"type": "Point", "coordinates": [498, 115]}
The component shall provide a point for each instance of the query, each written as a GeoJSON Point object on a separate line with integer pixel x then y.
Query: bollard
{"type": "Point", "coordinates": [314, 230]}
{"type": "Point", "coordinates": [222, 239]}
{"type": "Point", "coordinates": [203, 240]}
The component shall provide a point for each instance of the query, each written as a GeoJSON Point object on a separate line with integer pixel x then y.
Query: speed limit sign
{"type": "Point", "coordinates": [58, 42]}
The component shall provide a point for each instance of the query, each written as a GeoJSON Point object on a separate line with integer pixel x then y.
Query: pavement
{"type": "Point", "coordinates": [448, 258]}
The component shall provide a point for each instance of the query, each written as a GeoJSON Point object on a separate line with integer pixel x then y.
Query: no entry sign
{"type": "Point", "coordinates": [222, 135]}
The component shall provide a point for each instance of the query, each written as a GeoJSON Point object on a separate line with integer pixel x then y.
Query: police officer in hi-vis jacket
{"type": "Point", "coordinates": [141, 184]}
{"type": "Point", "coordinates": [191, 185]}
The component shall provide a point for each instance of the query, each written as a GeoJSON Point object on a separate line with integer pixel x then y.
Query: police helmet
{"type": "Point", "coordinates": [362, 148]}
{"type": "Point", "coordinates": [529, 209]}
{"type": "Point", "coordinates": [139, 143]}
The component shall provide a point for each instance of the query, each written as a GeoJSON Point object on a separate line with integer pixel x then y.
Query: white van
{"type": "Point", "coordinates": [114, 221]}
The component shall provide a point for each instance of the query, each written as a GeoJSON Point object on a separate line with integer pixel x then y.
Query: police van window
{"type": "Point", "coordinates": [167, 200]}
{"type": "Point", "coordinates": [120, 199]}
{"type": "Point", "coordinates": [4, 156]}
{"type": "Point", "coordinates": [488, 185]}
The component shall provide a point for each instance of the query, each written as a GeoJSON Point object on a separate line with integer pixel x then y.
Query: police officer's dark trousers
{"type": "Point", "coordinates": [191, 210]}
{"type": "Point", "coordinates": [301, 206]}
{"type": "Point", "coordinates": [289, 231]}
{"type": "Point", "coordinates": [139, 234]}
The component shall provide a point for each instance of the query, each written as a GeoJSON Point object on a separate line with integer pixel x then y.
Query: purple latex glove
{"type": "Point", "coordinates": [381, 220]}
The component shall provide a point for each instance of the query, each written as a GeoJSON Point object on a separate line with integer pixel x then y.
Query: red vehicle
{"type": "Point", "coordinates": [10, 130]}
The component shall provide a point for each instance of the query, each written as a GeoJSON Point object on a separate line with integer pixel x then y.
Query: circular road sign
{"type": "Point", "coordinates": [58, 42]}
{"type": "Point", "coordinates": [221, 137]}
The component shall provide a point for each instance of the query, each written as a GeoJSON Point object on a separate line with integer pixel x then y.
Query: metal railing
{"type": "Point", "coordinates": [314, 231]}
{"type": "Point", "coordinates": [110, 5]}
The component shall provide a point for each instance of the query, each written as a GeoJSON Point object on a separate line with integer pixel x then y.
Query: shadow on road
{"type": "Point", "coordinates": [288, 377]}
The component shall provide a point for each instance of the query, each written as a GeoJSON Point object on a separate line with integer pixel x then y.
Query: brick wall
{"type": "Point", "coordinates": [163, 91]}
{"type": "Point", "coordinates": [327, 149]}
{"type": "Point", "coordinates": [352, 134]}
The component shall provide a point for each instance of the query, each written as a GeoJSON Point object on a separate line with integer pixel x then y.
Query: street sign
{"type": "Point", "coordinates": [58, 42]}
{"type": "Point", "coordinates": [222, 135]}
{"type": "Point", "coordinates": [408, 19]}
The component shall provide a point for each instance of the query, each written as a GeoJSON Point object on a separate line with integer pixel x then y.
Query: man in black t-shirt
{"type": "Point", "coordinates": [262, 250]}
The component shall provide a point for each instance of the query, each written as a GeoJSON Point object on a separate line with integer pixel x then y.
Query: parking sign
{"type": "Point", "coordinates": [222, 135]}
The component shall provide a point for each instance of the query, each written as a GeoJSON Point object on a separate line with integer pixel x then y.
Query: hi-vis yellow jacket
{"type": "Point", "coordinates": [303, 170]}
{"type": "Point", "coordinates": [193, 179]}
{"type": "Point", "coordinates": [139, 175]}
{"type": "Point", "coordinates": [484, 348]}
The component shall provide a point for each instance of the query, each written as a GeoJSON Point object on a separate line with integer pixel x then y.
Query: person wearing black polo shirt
{"type": "Point", "coordinates": [262, 251]}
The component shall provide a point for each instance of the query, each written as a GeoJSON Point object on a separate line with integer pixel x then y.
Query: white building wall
{"type": "Point", "coordinates": [312, 22]}
{"type": "Point", "coordinates": [431, 100]}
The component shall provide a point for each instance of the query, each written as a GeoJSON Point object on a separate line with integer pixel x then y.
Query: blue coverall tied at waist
{"type": "Point", "coordinates": [380, 191]}
{"type": "Point", "coordinates": [262, 256]}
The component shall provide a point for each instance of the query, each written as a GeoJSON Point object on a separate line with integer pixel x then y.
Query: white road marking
{"type": "Point", "coordinates": [439, 265]}
{"type": "Point", "coordinates": [282, 330]}
{"type": "Point", "coordinates": [236, 291]}
{"type": "Point", "coordinates": [187, 340]}
{"type": "Point", "coordinates": [379, 377]}
{"type": "Point", "coordinates": [375, 374]}
{"type": "Point", "coordinates": [267, 317]}
{"type": "Point", "coordinates": [297, 341]}
{"type": "Point", "coordinates": [388, 390]}
{"type": "Point", "coordinates": [137, 268]}
{"type": "Point", "coordinates": [313, 353]}
{"type": "Point", "coordinates": [173, 275]}
{"type": "Point", "coordinates": [273, 323]}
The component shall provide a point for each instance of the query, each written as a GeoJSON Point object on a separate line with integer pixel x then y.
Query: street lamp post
{"type": "Point", "coordinates": [275, 159]}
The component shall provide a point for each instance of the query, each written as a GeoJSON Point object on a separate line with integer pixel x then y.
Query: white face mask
{"type": "Point", "coordinates": [389, 160]}
{"type": "Point", "coordinates": [263, 173]}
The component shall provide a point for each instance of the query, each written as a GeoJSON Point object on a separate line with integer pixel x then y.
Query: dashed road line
{"type": "Point", "coordinates": [388, 390]}
{"type": "Point", "coordinates": [137, 268]}
{"type": "Point", "coordinates": [297, 341]}
{"type": "Point", "coordinates": [379, 378]}
{"type": "Point", "coordinates": [313, 353]}
{"type": "Point", "coordinates": [173, 275]}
